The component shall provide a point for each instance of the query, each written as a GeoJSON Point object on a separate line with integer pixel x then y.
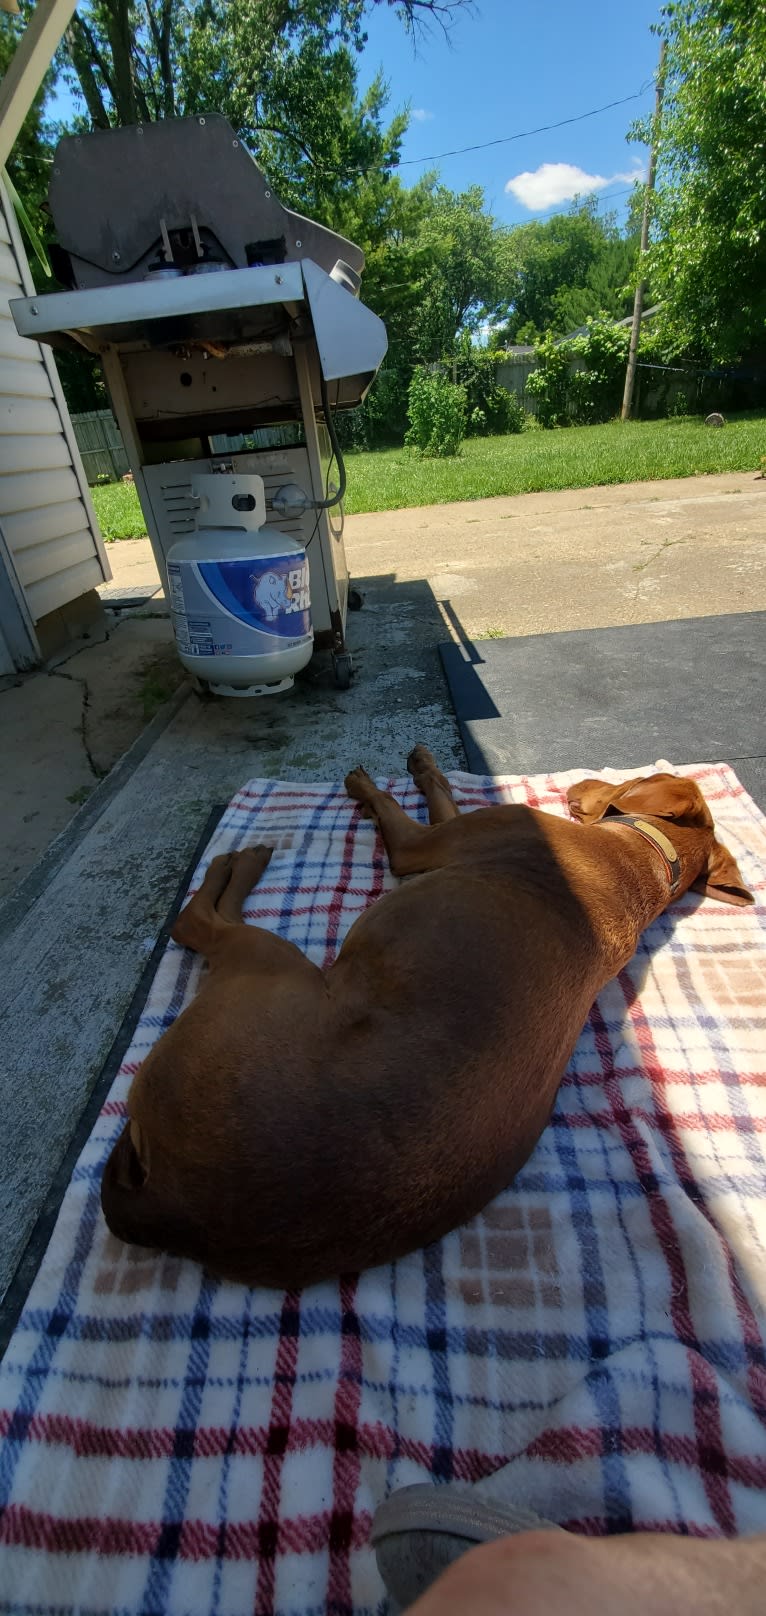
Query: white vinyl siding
{"type": "Point", "coordinates": [46, 516]}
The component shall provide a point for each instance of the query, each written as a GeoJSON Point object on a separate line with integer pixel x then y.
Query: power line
{"type": "Point", "coordinates": [459, 151]}
{"type": "Point", "coordinates": [598, 201]}
{"type": "Point", "coordinates": [609, 196]}
{"type": "Point", "coordinates": [523, 134]}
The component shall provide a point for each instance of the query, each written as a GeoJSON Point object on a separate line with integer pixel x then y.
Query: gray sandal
{"type": "Point", "coordinates": [419, 1531]}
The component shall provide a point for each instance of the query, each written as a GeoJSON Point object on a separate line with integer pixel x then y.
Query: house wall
{"type": "Point", "coordinates": [48, 526]}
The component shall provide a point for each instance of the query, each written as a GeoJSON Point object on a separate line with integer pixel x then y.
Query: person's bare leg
{"type": "Point", "coordinates": [636, 1574]}
{"type": "Point", "coordinates": [435, 787]}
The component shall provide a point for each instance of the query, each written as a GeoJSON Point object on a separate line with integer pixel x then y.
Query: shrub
{"type": "Point", "coordinates": [549, 383]}
{"type": "Point", "coordinates": [437, 413]}
{"type": "Point", "coordinates": [511, 412]}
{"type": "Point", "coordinates": [492, 410]}
{"type": "Point", "coordinates": [680, 404]}
{"type": "Point", "coordinates": [597, 384]}
{"type": "Point", "coordinates": [580, 381]}
{"type": "Point", "coordinates": [381, 419]}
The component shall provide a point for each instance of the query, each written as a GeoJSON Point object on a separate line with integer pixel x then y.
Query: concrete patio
{"type": "Point", "coordinates": [76, 931]}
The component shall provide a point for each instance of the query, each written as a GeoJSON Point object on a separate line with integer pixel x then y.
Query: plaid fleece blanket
{"type": "Point", "coordinates": [177, 1445]}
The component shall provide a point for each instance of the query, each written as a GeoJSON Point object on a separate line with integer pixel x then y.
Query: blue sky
{"type": "Point", "coordinates": [512, 65]}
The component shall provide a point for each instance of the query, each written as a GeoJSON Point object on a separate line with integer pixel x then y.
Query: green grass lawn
{"type": "Point", "coordinates": [573, 457]}
{"type": "Point", "coordinates": [118, 511]}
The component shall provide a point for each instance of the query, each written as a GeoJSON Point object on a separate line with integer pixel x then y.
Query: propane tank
{"type": "Point", "coordinates": [239, 591]}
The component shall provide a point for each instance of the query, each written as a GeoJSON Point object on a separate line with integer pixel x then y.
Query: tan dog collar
{"type": "Point", "coordinates": [656, 839]}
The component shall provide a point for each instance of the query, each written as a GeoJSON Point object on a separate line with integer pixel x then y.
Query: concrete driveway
{"type": "Point", "coordinates": [76, 933]}
{"type": "Point", "coordinates": [585, 558]}
{"type": "Point", "coordinates": [580, 558]}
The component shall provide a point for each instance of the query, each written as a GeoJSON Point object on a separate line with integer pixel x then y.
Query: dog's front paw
{"type": "Point", "coordinates": [359, 785]}
{"type": "Point", "coordinates": [421, 760]}
{"type": "Point", "coordinates": [258, 855]}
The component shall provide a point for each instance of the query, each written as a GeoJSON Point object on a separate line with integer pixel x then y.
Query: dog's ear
{"type": "Point", "coordinates": [590, 799]}
{"type": "Point", "coordinates": [665, 796]}
{"type": "Point", "coordinates": [661, 796]}
{"type": "Point", "coordinates": [721, 878]}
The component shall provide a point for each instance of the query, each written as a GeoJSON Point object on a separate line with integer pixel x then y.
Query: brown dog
{"type": "Point", "coordinates": [421, 1068]}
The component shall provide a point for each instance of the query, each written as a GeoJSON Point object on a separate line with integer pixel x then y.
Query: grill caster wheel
{"type": "Point", "coordinates": [355, 600]}
{"type": "Point", "coordinates": [342, 667]}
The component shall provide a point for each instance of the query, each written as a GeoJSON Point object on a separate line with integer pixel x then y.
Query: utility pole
{"type": "Point", "coordinates": [638, 303]}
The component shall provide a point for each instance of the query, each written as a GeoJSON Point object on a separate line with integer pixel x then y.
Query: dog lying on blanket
{"type": "Point", "coordinates": [419, 1071]}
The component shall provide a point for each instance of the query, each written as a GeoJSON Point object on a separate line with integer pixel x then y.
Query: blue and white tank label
{"type": "Point", "coordinates": [235, 608]}
{"type": "Point", "coordinates": [270, 593]}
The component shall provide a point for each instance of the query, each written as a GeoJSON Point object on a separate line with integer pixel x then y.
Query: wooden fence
{"type": "Point", "coordinates": [103, 454]}
{"type": "Point", "coordinates": [100, 445]}
{"type": "Point", "coordinates": [514, 373]}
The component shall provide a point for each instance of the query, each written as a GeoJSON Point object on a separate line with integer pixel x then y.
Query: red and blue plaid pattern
{"type": "Point", "coordinates": [177, 1445]}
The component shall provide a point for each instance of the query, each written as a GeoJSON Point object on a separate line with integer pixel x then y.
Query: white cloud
{"type": "Point", "coordinates": [420, 115]}
{"type": "Point", "coordinates": [560, 182]}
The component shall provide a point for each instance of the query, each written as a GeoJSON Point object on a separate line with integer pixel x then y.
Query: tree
{"type": "Point", "coordinates": [285, 74]}
{"type": "Point", "coordinates": [282, 71]}
{"type": "Point", "coordinates": [463, 248]}
{"type": "Point", "coordinates": [707, 258]}
{"type": "Point", "coordinates": [434, 271]}
{"type": "Point", "coordinates": [567, 269]}
{"type": "Point", "coordinates": [155, 59]}
{"type": "Point", "coordinates": [29, 168]}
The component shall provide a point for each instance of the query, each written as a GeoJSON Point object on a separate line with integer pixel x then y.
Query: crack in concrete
{"type": "Point", "coordinates": [75, 679]}
{"type": "Point", "coordinates": [667, 544]}
{"type": "Point", "coordinates": [86, 642]}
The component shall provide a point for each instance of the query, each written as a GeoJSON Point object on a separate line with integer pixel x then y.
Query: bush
{"type": "Point", "coordinates": [437, 413]}
{"type": "Point", "coordinates": [492, 410]}
{"type": "Point", "coordinates": [580, 381]}
{"type": "Point", "coordinates": [512, 412]}
{"type": "Point", "coordinates": [597, 385]}
{"type": "Point", "coordinates": [381, 419]}
{"type": "Point", "coordinates": [680, 404]}
{"type": "Point", "coordinates": [549, 383]}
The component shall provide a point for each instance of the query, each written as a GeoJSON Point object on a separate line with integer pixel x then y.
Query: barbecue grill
{"type": "Point", "coordinates": [230, 333]}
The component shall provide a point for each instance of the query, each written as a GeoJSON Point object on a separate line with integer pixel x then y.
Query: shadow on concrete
{"type": "Point", "coordinates": [12, 1302]}
{"type": "Point", "coordinates": [476, 700]}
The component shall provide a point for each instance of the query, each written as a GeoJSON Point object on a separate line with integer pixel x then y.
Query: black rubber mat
{"type": "Point", "coordinates": [690, 691]}
{"type": "Point", "coordinates": [117, 596]}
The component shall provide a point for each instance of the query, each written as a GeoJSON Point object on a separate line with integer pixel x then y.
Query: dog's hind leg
{"type": "Point", "coordinates": [435, 787]}
{"type": "Point", "coordinates": [412, 848]}
{"type": "Point", "coordinates": [247, 868]}
{"type": "Point", "coordinates": [218, 904]}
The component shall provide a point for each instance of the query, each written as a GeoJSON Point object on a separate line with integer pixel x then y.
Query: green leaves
{"type": "Point", "coordinates": [708, 252]}
{"type": "Point", "coordinates": [437, 412]}
{"type": "Point", "coordinates": [580, 381]}
{"type": "Point", "coordinates": [27, 225]}
{"type": "Point", "coordinates": [561, 271]}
